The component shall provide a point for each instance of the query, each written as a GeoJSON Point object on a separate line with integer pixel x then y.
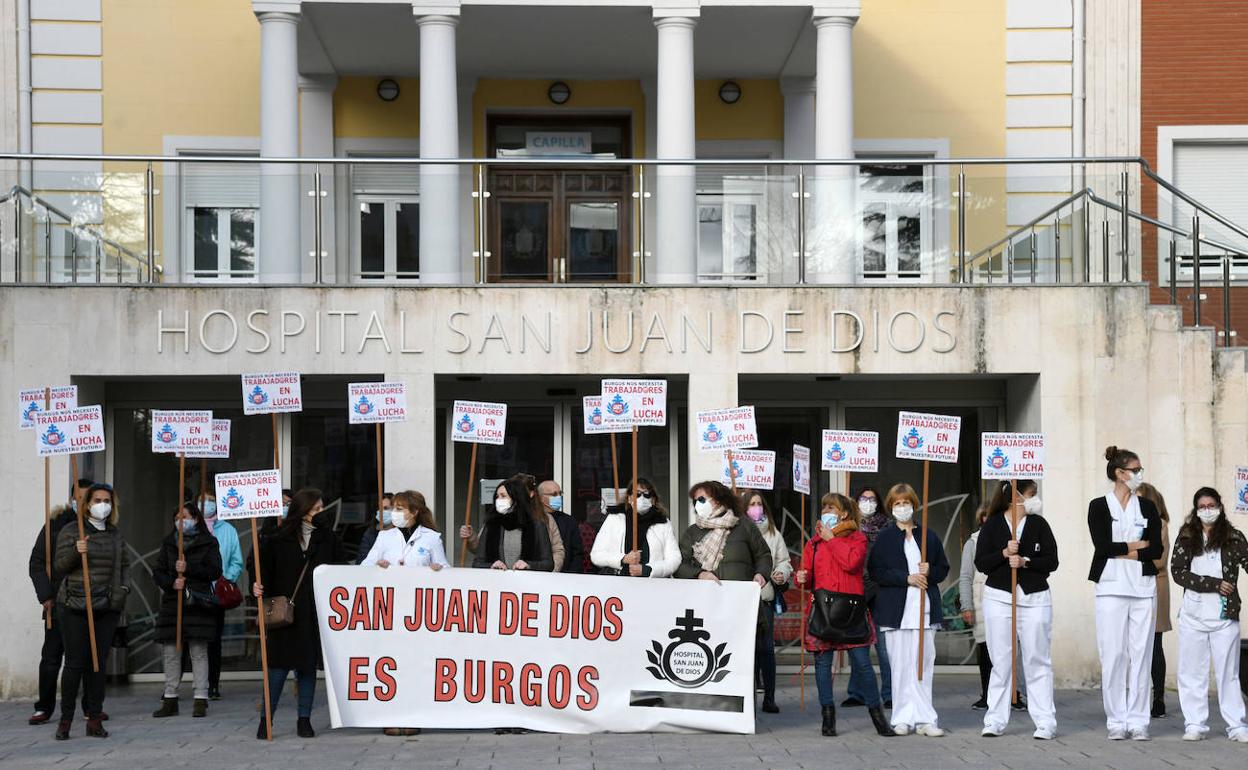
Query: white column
{"type": "Point", "coordinates": [410, 459]}
{"type": "Point", "coordinates": [316, 140]}
{"type": "Point", "coordinates": [676, 242]}
{"type": "Point", "coordinates": [833, 234]}
{"type": "Point", "coordinates": [439, 138]}
{"type": "Point", "coordinates": [279, 138]}
{"type": "Point", "coordinates": [799, 118]}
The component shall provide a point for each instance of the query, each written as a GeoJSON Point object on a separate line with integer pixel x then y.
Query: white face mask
{"type": "Point", "coordinates": [1208, 515]}
{"type": "Point", "coordinates": [1134, 481]}
{"type": "Point", "coordinates": [503, 505]}
{"type": "Point", "coordinates": [100, 511]}
{"type": "Point", "coordinates": [400, 517]}
{"type": "Point", "coordinates": [704, 508]}
{"type": "Point", "coordinates": [1032, 506]}
{"type": "Point", "coordinates": [903, 513]}
{"type": "Point", "coordinates": [868, 507]}
{"type": "Point", "coordinates": [644, 504]}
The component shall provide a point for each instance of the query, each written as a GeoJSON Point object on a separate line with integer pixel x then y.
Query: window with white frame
{"type": "Point", "coordinates": [220, 213]}
{"type": "Point", "coordinates": [733, 207]}
{"type": "Point", "coordinates": [895, 210]}
{"type": "Point", "coordinates": [1212, 173]}
{"type": "Point", "coordinates": [386, 200]}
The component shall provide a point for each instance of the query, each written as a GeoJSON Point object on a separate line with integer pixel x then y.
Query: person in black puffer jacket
{"type": "Point", "coordinates": [192, 577]}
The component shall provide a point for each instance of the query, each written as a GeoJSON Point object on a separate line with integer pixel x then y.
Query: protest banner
{"type": "Point", "coordinates": [727, 429]}
{"type": "Point", "coordinates": [1010, 456]}
{"type": "Point", "coordinates": [377, 403]}
{"type": "Point", "coordinates": [749, 468]}
{"type": "Point", "coordinates": [1241, 489]}
{"type": "Point", "coordinates": [272, 393]}
{"type": "Point", "coordinates": [73, 432]}
{"type": "Point", "coordinates": [634, 403]}
{"type": "Point", "coordinates": [249, 494]}
{"type": "Point", "coordinates": [851, 451]}
{"type": "Point", "coordinates": [475, 649]}
{"type": "Point", "coordinates": [927, 437]}
{"type": "Point", "coordinates": [476, 422]}
{"type": "Point", "coordinates": [219, 450]}
{"type": "Point", "coordinates": [35, 400]}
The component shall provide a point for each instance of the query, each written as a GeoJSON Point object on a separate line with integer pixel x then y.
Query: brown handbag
{"type": "Point", "coordinates": [279, 611]}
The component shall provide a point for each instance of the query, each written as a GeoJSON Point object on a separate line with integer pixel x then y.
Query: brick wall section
{"type": "Point", "coordinates": [1193, 71]}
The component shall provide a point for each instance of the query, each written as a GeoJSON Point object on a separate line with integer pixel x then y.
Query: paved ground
{"type": "Point", "coordinates": [790, 739]}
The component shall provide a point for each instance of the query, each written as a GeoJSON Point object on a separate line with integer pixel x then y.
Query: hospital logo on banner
{"type": "Point", "coordinates": [73, 431]}
{"type": "Point", "coordinates": [688, 660]}
{"type": "Point", "coordinates": [376, 402]}
{"type": "Point", "coordinates": [1241, 489]}
{"type": "Point", "coordinates": [928, 436]}
{"type": "Point", "coordinates": [634, 402]}
{"type": "Point", "coordinates": [1008, 456]}
{"type": "Point", "coordinates": [269, 393]}
{"type": "Point", "coordinates": [720, 429]}
{"type": "Point", "coordinates": [31, 402]}
{"type": "Point", "coordinates": [181, 431]}
{"type": "Point", "coordinates": [479, 422]}
{"type": "Point", "coordinates": [754, 468]}
{"type": "Point", "coordinates": [596, 419]}
{"type": "Point", "coordinates": [249, 494]}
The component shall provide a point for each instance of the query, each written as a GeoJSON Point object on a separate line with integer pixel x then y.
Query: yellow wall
{"type": "Point", "coordinates": [759, 114]}
{"type": "Point", "coordinates": [360, 112]}
{"type": "Point", "coordinates": [596, 96]}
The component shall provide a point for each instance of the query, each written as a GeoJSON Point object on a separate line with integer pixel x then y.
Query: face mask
{"type": "Point", "coordinates": [503, 505]}
{"type": "Point", "coordinates": [210, 509]}
{"type": "Point", "coordinates": [828, 520]}
{"type": "Point", "coordinates": [1135, 480]}
{"type": "Point", "coordinates": [556, 502]}
{"type": "Point", "coordinates": [1208, 515]}
{"type": "Point", "coordinates": [1032, 506]}
{"type": "Point", "coordinates": [755, 512]}
{"type": "Point", "coordinates": [285, 510]}
{"type": "Point", "coordinates": [100, 511]}
{"type": "Point", "coordinates": [400, 517]}
{"type": "Point", "coordinates": [644, 504]}
{"type": "Point", "coordinates": [73, 505]}
{"type": "Point", "coordinates": [320, 520]}
{"type": "Point", "coordinates": [903, 513]}
{"type": "Point", "coordinates": [704, 508]}
{"type": "Point", "coordinates": [868, 506]}
{"type": "Point", "coordinates": [384, 517]}
{"type": "Point", "coordinates": [187, 525]}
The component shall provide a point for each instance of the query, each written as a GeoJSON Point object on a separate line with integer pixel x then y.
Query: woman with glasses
{"type": "Point", "coordinates": [1207, 559]}
{"type": "Point", "coordinates": [1126, 540]}
{"type": "Point", "coordinates": [714, 547]}
{"type": "Point", "coordinates": [657, 554]}
{"type": "Point", "coordinates": [108, 569]}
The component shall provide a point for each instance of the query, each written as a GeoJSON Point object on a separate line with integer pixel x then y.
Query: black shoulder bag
{"type": "Point", "coordinates": [836, 617]}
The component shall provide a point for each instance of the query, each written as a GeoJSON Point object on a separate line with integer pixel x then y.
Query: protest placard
{"type": "Point", "coordinates": [249, 494]}
{"type": "Point", "coordinates": [928, 437]}
{"type": "Point", "coordinates": [1009, 456]}
{"type": "Point", "coordinates": [272, 393]}
{"type": "Point", "coordinates": [853, 451]}
{"type": "Point", "coordinates": [720, 429]}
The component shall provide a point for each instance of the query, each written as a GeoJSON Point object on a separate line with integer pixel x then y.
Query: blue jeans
{"type": "Point", "coordinates": [765, 650]}
{"type": "Point", "coordinates": [306, 680]}
{"type": "Point", "coordinates": [859, 676]}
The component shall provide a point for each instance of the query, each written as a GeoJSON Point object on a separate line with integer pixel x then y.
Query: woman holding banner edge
{"type": "Point", "coordinates": [1031, 550]}
{"type": "Point", "coordinates": [896, 566]}
{"type": "Point", "coordinates": [658, 555]}
{"type": "Point", "coordinates": [1126, 538]}
{"type": "Point", "coordinates": [515, 537]}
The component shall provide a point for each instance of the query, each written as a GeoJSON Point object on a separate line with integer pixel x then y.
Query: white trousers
{"type": "Point", "coordinates": [1035, 634]}
{"type": "Point", "coordinates": [912, 697]}
{"type": "Point", "coordinates": [1195, 650]}
{"type": "Point", "coordinates": [1124, 637]}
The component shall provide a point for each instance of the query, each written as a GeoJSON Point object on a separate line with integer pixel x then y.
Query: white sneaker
{"type": "Point", "coordinates": [1117, 734]}
{"type": "Point", "coordinates": [1239, 736]}
{"type": "Point", "coordinates": [1044, 734]}
{"type": "Point", "coordinates": [991, 732]}
{"type": "Point", "coordinates": [1140, 734]}
{"type": "Point", "coordinates": [931, 731]}
{"type": "Point", "coordinates": [901, 729]}
{"type": "Point", "coordinates": [1193, 735]}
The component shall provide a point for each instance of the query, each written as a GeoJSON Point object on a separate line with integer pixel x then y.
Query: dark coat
{"type": "Point", "coordinates": [1037, 546]}
{"type": "Point", "coordinates": [573, 547]}
{"type": "Point", "coordinates": [745, 553]}
{"type": "Point", "coordinates": [45, 587]}
{"type": "Point", "coordinates": [1234, 558]}
{"type": "Point", "coordinates": [1101, 527]}
{"type": "Point", "coordinates": [203, 567]}
{"type": "Point", "coordinates": [535, 548]}
{"type": "Point", "coordinates": [890, 569]}
{"type": "Point", "coordinates": [110, 576]}
{"type": "Point", "coordinates": [282, 558]}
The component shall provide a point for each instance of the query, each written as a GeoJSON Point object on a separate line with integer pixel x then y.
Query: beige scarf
{"type": "Point", "coordinates": [709, 551]}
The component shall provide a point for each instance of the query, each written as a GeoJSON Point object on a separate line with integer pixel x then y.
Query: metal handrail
{"type": "Point", "coordinates": [17, 191]}
{"type": "Point", "coordinates": [1038, 220]}
{"type": "Point", "coordinates": [1146, 219]}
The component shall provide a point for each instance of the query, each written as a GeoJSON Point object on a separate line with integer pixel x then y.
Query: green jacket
{"type": "Point", "coordinates": [745, 553]}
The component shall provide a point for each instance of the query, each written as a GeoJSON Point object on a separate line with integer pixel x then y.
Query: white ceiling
{"type": "Point", "coordinates": [555, 42]}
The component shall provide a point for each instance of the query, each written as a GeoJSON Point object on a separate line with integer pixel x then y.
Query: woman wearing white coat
{"type": "Point", "coordinates": [658, 552]}
{"type": "Point", "coordinates": [1207, 559]}
{"type": "Point", "coordinates": [782, 568]}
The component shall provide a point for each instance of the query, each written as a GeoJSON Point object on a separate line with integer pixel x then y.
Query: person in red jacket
{"type": "Point", "coordinates": [833, 560]}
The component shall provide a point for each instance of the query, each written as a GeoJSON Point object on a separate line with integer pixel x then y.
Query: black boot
{"type": "Point", "coordinates": [881, 722]}
{"type": "Point", "coordinates": [201, 708]}
{"type": "Point", "coordinates": [168, 708]}
{"type": "Point", "coordinates": [261, 732]}
{"type": "Point", "coordinates": [62, 729]}
{"type": "Point", "coordinates": [829, 721]}
{"type": "Point", "coordinates": [769, 705]}
{"type": "Point", "coordinates": [303, 728]}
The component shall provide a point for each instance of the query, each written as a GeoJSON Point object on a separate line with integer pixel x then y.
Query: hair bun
{"type": "Point", "coordinates": [1111, 452]}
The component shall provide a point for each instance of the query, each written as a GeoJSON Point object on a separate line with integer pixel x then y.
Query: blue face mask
{"type": "Point", "coordinates": [556, 502]}
{"type": "Point", "coordinates": [210, 508]}
{"type": "Point", "coordinates": [285, 510]}
{"type": "Point", "coordinates": [187, 525]}
{"type": "Point", "coordinates": [383, 517]}
{"type": "Point", "coordinates": [829, 520]}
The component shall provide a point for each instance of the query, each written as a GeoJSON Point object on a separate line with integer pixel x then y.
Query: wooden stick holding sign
{"type": "Point", "coordinates": [632, 494]}
{"type": "Point", "coordinates": [476, 422]}
{"type": "Point", "coordinates": [47, 513]}
{"type": "Point", "coordinates": [801, 485]}
{"type": "Point", "coordinates": [630, 403]}
{"type": "Point", "coordinates": [74, 431]}
{"type": "Point", "coordinates": [177, 639]}
{"type": "Point", "coordinates": [272, 394]}
{"type": "Point", "coordinates": [927, 437]}
{"type": "Point", "coordinates": [1013, 456]}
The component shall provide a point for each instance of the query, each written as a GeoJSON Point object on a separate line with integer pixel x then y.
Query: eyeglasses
{"type": "Point", "coordinates": [647, 495]}
{"type": "Point", "coordinates": [1136, 469]}
{"type": "Point", "coordinates": [700, 499]}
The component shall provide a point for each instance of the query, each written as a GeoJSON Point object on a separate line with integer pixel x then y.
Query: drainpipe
{"type": "Point", "coordinates": [24, 142]}
{"type": "Point", "coordinates": [1079, 97]}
